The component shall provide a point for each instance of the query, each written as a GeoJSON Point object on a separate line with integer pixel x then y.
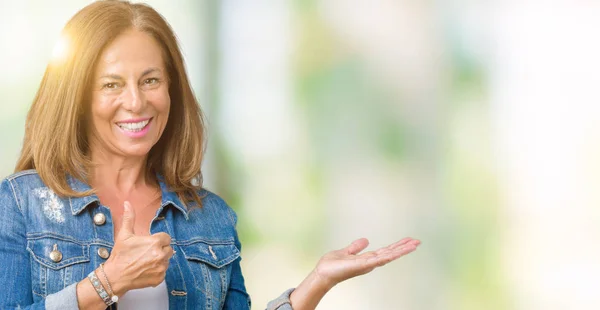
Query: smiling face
{"type": "Point", "coordinates": [130, 97]}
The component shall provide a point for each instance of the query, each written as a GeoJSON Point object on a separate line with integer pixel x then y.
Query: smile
{"type": "Point", "coordinates": [134, 127]}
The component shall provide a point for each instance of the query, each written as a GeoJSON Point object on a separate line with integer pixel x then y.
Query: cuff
{"type": "Point", "coordinates": [63, 299]}
{"type": "Point", "coordinates": [282, 302]}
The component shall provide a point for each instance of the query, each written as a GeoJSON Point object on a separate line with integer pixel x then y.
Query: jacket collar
{"type": "Point", "coordinates": [78, 204]}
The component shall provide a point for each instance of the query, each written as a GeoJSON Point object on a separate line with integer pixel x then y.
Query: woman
{"type": "Point", "coordinates": [106, 205]}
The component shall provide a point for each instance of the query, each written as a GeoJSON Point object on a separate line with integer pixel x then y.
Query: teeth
{"type": "Point", "coordinates": [133, 127]}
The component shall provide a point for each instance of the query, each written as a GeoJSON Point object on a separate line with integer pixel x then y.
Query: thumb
{"type": "Point", "coordinates": [128, 221]}
{"type": "Point", "coordinates": [356, 246]}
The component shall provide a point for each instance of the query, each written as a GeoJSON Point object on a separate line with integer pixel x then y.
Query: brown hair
{"type": "Point", "coordinates": [55, 142]}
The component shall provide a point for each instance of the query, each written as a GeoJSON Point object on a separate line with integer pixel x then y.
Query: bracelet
{"type": "Point", "coordinates": [113, 297]}
{"type": "Point", "coordinates": [99, 288]}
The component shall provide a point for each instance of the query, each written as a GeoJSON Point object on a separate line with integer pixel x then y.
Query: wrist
{"type": "Point", "coordinates": [319, 281]}
{"type": "Point", "coordinates": [310, 292]}
{"type": "Point", "coordinates": [118, 287]}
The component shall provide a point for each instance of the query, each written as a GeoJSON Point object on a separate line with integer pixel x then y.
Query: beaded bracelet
{"type": "Point", "coordinates": [99, 288]}
{"type": "Point", "coordinates": [113, 297]}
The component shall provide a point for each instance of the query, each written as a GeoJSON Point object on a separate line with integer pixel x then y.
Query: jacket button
{"type": "Point", "coordinates": [55, 255]}
{"type": "Point", "coordinates": [99, 219]}
{"type": "Point", "coordinates": [103, 252]}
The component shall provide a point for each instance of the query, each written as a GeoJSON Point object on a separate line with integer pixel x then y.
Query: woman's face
{"type": "Point", "coordinates": [130, 96]}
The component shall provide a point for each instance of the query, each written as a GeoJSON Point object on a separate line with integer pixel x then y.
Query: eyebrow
{"type": "Point", "coordinates": [150, 70]}
{"type": "Point", "coordinates": [112, 76]}
{"type": "Point", "coordinates": [118, 77]}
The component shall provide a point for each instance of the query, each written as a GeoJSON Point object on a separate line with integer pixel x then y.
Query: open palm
{"type": "Point", "coordinates": [340, 265]}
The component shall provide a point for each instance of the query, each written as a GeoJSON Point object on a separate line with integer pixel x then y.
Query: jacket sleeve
{"type": "Point", "coordinates": [237, 297]}
{"type": "Point", "coordinates": [15, 274]}
{"type": "Point", "coordinates": [282, 302]}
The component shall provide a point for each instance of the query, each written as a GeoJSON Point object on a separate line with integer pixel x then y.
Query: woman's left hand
{"type": "Point", "coordinates": [337, 266]}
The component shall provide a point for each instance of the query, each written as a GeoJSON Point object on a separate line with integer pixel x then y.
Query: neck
{"type": "Point", "coordinates": [118, 174]}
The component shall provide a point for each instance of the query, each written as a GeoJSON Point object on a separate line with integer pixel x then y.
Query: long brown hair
{"type": "Point", "coordinates": [55, 142]}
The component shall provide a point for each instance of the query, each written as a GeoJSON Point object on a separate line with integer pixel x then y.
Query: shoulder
{"type": "Point", "coordinates": [25, 177]}
{"type": "Point", "coordinates": [14, 187]}
{"type": "Point", "coordinates": [214, 203]}
{"type": "Point", "coordinates": [22, 182]}
{"type": "Point", "coordinates": [212, 199]}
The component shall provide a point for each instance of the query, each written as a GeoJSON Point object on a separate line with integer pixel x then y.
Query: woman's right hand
{"type": "Point", "coordinates": [137, 261]}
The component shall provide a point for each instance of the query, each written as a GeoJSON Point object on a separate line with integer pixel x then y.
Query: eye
{"type": "Point", "coordinates": [151, 81]}
{"type": "Point", "coordinates": [110, 86]}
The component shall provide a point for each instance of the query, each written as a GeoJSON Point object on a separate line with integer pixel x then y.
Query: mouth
{"type": "Point", "coordinates": [134, 126]}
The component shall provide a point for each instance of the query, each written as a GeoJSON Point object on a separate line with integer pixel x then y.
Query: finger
{"type": "Point", "coordinates": [391, 255]}
{"type": "Point", "coordinates": [402, 242]}
{"type": "Point", "coordinates": [356, 246]}
{"type": "Point", "coordinates": [127, 222]}
{"type": "Point", "coordinates": [408, 246]}
{"type": "Point", "coordinates": [385, 255]}
{"type": "Point", "coordinates": [168, 251]}
{"type": "Point", "coordinates": [163, 239]}
{"type": "Point", "coordinates": [398, 245]}
{"type": "Point", "coordinates": [397, 253]}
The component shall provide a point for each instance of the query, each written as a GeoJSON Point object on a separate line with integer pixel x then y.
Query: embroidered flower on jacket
{"type": "Point", "coordinates": [51, 204]}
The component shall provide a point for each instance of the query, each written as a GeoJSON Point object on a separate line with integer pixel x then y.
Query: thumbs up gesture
{"type": "Point", "coordinates": [137, 261]}
{"type": "Point", "coordinates": [127, 222]}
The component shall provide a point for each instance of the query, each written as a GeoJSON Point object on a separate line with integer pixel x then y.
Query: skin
{"type": "Point", "coordinates": [341, 265]}
{"type": "Point", "coordinates": [130, 82]}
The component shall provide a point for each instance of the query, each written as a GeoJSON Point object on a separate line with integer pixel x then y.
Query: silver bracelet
{"type": "Point", "coordinates": [113, 297]}
{"type": "Point", "coordinates": [99, 288]}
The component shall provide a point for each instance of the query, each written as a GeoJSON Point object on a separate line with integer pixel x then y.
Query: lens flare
{"type": "Point", "coordinates": [60, 50]}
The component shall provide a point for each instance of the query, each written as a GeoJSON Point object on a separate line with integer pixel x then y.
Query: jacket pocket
{"type": "Point", "coordinates": [210, 265]}
{"type": "Point", "coordinates": [56, 262]}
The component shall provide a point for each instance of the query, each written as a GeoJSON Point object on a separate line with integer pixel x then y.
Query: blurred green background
{"type": "Point", "coordinates": [471, 125]}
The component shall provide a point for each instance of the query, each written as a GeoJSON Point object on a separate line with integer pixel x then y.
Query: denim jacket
{"type": "Point", "coordinates": [204, 273]}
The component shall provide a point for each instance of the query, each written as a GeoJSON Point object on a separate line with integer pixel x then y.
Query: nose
{"type": "Point", "coordinates": [133, 99]}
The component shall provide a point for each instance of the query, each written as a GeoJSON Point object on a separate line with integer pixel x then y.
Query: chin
{"type": "Point", "coordinates": [135, 151]}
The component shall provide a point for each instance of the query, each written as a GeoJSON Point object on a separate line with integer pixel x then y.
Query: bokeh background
{"type": "Point", "coordinates": [471, 125]}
